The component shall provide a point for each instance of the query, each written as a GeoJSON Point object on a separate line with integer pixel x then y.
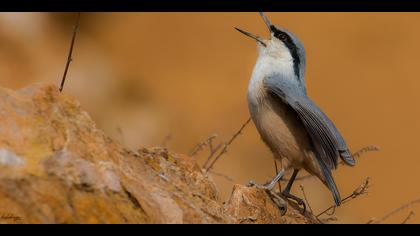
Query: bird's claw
{"type": "Point", "coordinates": [253, 184]}
{"type": "Point", "coordinates": [299, 201]}
{"type": "Point", "coordinates": [303, 204]}
{"type": "Point", "coordinates": [280, 202]}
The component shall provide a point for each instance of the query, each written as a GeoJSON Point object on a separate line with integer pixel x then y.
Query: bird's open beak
{"type": "Point", "coordinates": [266, 21]}
{"type": "Point", "coordinates": [257, 38]}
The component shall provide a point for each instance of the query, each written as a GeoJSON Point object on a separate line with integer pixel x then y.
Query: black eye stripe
{"type": "Point", "coordinates": [287, 40]}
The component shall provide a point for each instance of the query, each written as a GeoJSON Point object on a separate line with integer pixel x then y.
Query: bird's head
{"type": "Point", "coordinates": [282, 45]}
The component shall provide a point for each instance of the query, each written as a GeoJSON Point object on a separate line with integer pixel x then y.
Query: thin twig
{"type": "Point", "coordinates": [202, 145]}
{"type": "Point", "coordinates": [306, 199]}
{"type": "Point", "coordinates": [329, 219]}
{"type": "Point", "coordinates": [228, 178]}
{"type": "Point", "coordinates": [362, 189]}
{"type": "Point", "coordinates": [121, 133]}
{"type": "Point", "coordinates": [399, 209]}
{"type": "Point", "coordinates": [213, 151]}
{"type": "Point", "coordinates": [362, 151]}
{"type": "Point", "coordinates": [371, 221]}
{"type": "Point", "coordinates": [166, 139]}
{"type": "Point", "coordinates": [69, 57]}
{"type": "Point", "coordinates": [410, 215]}
{"type": "Point", "coordinates": [226, 146]}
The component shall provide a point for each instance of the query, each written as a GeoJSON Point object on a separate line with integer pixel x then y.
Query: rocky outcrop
{"type": "Point", "coordinates": [56, 166]}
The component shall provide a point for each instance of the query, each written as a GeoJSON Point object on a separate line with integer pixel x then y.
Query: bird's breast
{"type": "Point", "coordinates": [281, 129]}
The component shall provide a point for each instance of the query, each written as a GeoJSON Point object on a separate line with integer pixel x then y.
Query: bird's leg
{"type": "Point", "coordinates": [270, 185]}
{"type": "Point", "coordinates": [286, 192]}
{"type": "Point", "coordinates": [291, 181]}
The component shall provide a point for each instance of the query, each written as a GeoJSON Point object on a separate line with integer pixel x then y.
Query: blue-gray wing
{"type": "Point", "coordinates": [326, 139]}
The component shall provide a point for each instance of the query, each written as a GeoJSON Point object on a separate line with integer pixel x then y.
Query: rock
{"type": "Point", "coordinates": [56, 166]}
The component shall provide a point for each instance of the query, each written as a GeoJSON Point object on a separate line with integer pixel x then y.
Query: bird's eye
{"type": "Point", "coordinates": [282, 37]}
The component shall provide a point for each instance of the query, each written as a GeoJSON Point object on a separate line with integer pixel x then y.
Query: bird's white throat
{"type": "Point", "coordinates": [272, 60]}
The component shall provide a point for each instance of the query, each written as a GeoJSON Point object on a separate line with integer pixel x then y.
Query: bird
{"type": "Point", "coordinates": [287, 119]}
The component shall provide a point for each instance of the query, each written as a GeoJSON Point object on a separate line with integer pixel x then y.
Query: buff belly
{"type": "Point", "coordinates": [285, 135]}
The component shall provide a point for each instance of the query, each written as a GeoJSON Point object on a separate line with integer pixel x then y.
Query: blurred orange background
{"type": "Point", "coordinates": [144, 76]}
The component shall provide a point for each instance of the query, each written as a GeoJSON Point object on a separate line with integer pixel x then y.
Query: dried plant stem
{"type": "Point", "coordinates": [306, 199]}
{"type": "Point", "coordinates": [399, 209]}
{"type": "Point", "coordinates": [362, 151]}
{"type": "Point", "coordinates": [362, 189]}
{"type": "Point", "coordinates": [69, 57]}
{"type": "Point", "coordinates": [165, 140]}
{"type": "Point", "coordinates": [213, 151]}
{"type": "Point", "coordinates": [226, 145]}
{"type": "Point", "coordinates": [228, 178]}
{"type": "Point", "coordinates": [202, 145]}
{"type": "Point", "coordinates": [121, 133]}
{"type": "Point", "coordinates": [410, 215]}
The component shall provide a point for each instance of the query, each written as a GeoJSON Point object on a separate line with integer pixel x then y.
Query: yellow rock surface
{"type": "Point", "coordinates": [57, 167]}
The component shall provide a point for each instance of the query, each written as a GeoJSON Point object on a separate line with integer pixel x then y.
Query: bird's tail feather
{"type": "Point", "coordinates": [347, 157]}
{"type": "Point", "coordinates": [331, 183]}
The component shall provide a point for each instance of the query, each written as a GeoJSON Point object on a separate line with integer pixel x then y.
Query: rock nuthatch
{"type": "Point", "coordinates": [289, 122]}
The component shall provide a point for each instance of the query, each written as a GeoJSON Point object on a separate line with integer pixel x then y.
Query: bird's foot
{"type": "Point", "coordinates": [280, 202]}
{"type": "Point", "coordinates": [252, 183]}
{"type": "Point", "coordinates": [299, 201]}
{"type": "Point", "coordinates": [270, 185]}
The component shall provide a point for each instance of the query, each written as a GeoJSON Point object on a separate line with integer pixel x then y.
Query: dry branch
{"type": "Point", "coordinates": [228, 178]}
{"type": "Point", "coordinates": [226, 145]}
{"type": "Point", "coordinates": [361, 190]}
{"type": "Point", "coordinates": [166, 140]}
{"type": "Point", "coordinates": [69, 57]}
{"type": "Point", "coordinates": [306, 199]}
{"type": "Point", "coordinates": [199, 147]}
{"type": "Point", "coordinates": [410, 215]}
{"type": "Point", "coordinates": [399, 209]}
